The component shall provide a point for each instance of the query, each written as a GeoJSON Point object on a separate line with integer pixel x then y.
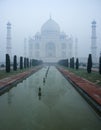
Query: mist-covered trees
{"type": "Point", "coordinates": [25, 62]}
{"type": "Point", "coordinates": [77, 63]}
{"type": "Point", "coordinates": [21, 62]}
{"type": "Point", "coordinates": [15, 63]}
{"type": "Point", "coordinates": [100, 64]}
{"type": "Point", "coordinates": [89, 64]}
{"type": "Point", "coordinates": [7, 63]}
{"type": "Point", "coordinates": [64, 62]}
{"type": "Point", "coordinates": [72, 62]}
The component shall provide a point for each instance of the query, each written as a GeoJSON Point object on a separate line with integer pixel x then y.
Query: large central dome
{"type": "Point", "coordinates": [50, 26]}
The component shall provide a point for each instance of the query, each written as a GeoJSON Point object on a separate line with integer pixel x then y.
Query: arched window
{"type": "Point", "coordinates": [37, 54]}
{"type": "Point", "coordinates": [50, 50]}
{"type": "Point", "coordinates": [36, 45]}
{"type": "Point", "coordinates": [63, 45]}
{"type": "Point", "coordinates": [63, 54]}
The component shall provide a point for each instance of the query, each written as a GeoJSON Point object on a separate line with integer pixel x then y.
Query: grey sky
{"type": "Point", "coordinates": [27, 17]}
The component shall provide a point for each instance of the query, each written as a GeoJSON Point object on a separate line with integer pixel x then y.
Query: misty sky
{"type": "Point", "coordinates": [27, 17]}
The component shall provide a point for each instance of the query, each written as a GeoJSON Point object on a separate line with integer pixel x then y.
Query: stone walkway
{"type": "Point", "coordinates": [89, 88]}
{"type": "Point", "coordinates": [6, 82]}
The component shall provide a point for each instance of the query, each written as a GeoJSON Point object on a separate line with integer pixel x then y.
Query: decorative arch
{"type": "Point", "coordinates": [50, 49]}
{"type": "Point", "coordinates": [37, 46]}
{"type": "Point", "coordinates": [63, 45]}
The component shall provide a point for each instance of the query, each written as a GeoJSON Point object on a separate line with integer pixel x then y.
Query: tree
{"type": "Point", "coordinates": [15, 63]}
{"type": "Point", "coordinates": [89, 64]}
{"type": "Point", "coordinates": [100, 65]}
{"type": "Point", "coordinates": [67, 62]}
{"type": "Point", "coordinates": [21, 62]}
{"type": "Point", "coordinates": [30, 62]}
{"type": "Point", "coordinates": [77, 63]}
{"type": "Point", "coordinates": [72, 62]}
{"type": "Point", "coordinates": [25, 63]}
{"type": "Point", "coordinates": [7, 63]}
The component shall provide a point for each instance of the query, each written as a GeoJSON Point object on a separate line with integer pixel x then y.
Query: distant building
{"type": "Point", "coordinates": [76, 48]}
{"type": "Point", "coordinates": [9, 45]}
{"type": "Point", "coordinates": [50, 45]}
{"type": "Point", "coordinates": [93, 43]}
{"type": "Point", "coordinates": [25, 47]}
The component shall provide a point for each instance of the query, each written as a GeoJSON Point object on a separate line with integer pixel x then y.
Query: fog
{"type": "Point", "coordinates": [27, 16]}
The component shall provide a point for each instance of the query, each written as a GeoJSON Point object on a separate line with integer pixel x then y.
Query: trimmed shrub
{"type": "Point", "coordinates": [100, 65]}
{"type": "Point", "coordinates": [72, 62]}
{"type": "Point", "coordinates": [77, 63]}
{"type": "Point", "coordinates": [25, 63]}
{"type": "Point", "coordinates": [21, 62]}
{"type": "Point", "coordinates": [7, 63]}
{"type": "Point", "coordinates": [15, 63]}
{"type": "Point", "coordinates": [89, 64]}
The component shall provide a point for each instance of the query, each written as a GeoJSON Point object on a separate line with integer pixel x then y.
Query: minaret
{"type": "Point", "coordinates": [25, 47]}
{"type": "Point", "coordinates": [30, 48]}
{"type": "Point", "coordinates": [93, 43]}
{"type": "Point", "coordinates": [76, 48]}
{"type": "Point", "coordinates": [9, 46]}
{"type": "Point", "coordinates": [70, 50]}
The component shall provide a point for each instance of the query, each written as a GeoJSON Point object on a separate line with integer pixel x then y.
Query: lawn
{"type": "Point", "coordinates": [94, 77]}
{"type": "Point", "coordinates": [3, 73]}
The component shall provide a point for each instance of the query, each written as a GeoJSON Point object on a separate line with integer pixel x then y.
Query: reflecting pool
{"type": "Point", "coordinates": [46, 101]}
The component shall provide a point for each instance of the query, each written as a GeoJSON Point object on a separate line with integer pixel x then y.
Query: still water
{"type": "Point", "coordinates": [46, 101]}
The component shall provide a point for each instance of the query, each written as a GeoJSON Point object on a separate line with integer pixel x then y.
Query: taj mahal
{"type": "Point", "coordinates": [50, 44]}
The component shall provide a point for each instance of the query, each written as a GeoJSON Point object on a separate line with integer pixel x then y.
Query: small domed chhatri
{"type": "Point", "coordinates": [93, 22]}
{"type": "Point", "coordinates": [50, 45]}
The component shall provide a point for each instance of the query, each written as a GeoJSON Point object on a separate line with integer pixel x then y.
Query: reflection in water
{"type": "Point", "coordinates": [43, 80]}
{"type": "Point", "coordinates": [60, 108]}
{"type": "Point", "coordinates": [10, 96]}
{"type": "Point", "coordinates": [39, 93]}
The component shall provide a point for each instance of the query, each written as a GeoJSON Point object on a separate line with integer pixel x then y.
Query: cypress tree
{"type": "Point", "coordinates": [7, 63]}
{"type": "Point", "coordinates": [73, 62]}
{"type": "Point", "coordinates": [15, 63]}
{"type": "Point", "coordinates": [67, 62]}
{"type": "Point", "coordinates": [21, 62]}
{"type": "Point", "coordinates": [30, 62]}
{"type": "Point", "coordinates": [70, 63]}
{"type": "Point", "coordinates": [25, 63]}
{"type": "Point", "coordinates": [100, 65]}
{"type": "Point", "coordinates": [89, 64]}
{"type": "Point", "coordinates": [77, 63]}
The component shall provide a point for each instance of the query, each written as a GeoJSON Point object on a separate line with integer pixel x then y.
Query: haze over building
{"type": "Point", "coordinates": [50, 45]}
{"type": "Point", "coordinates": [27, 16]}
{"type": "Point", "coordinates": [8, 44]}
{"type": "Point", "coordinates": [93, 42]}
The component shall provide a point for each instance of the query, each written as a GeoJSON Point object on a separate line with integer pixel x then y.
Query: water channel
{"type": "Point", "coordinates": [46, 102]}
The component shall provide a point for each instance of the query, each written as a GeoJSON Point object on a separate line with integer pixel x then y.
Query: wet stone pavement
{"type": "Point", "coordinates": [46, 101]}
